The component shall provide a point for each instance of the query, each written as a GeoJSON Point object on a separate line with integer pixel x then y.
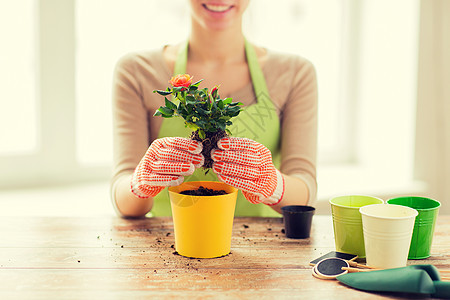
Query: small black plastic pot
{"type": "Point", "coordinates": [297, 220]}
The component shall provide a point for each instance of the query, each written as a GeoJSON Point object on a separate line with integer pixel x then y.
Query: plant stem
{"type": "Point", "coordinates": [209, 143]}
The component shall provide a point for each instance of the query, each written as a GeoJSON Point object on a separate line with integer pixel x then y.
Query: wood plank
{"type": "Point", "coordinates": [67, 232]}
{"type": "Point", "coordinates": [161, 257]}
{"type": "Point", "coordinates": [207, 283]}
{"type": "Point", "coordinates": [233, 294]}
{"type": "Point", "coordinates": [221, 283]}
{"type": "Point", "coordinates": [164, 257]}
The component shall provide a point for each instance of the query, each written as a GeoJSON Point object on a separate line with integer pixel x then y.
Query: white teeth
{"type": "Point", "coordinates": [217, 8]}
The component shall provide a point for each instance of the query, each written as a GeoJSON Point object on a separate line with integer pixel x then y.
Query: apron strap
{"type": "Point", "coordinates": [182, 57]}
{"type": "Point", "coordinates": [258, 80]}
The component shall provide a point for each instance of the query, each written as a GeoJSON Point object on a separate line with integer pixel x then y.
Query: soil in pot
{"type": "Point", "coordinates": [203, 191]}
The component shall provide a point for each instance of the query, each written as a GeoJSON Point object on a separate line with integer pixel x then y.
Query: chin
{"type": "Point", "coordinates": [216, 26]}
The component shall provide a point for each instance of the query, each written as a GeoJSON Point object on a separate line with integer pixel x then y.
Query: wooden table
{"type": "Point", "coordinates": [113, 258]}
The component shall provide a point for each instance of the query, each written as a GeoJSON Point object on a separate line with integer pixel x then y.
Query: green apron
{"type": "Point", "coordinates": [258, 122]}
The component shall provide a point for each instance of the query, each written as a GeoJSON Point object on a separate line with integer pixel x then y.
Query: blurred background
{"type": "Point", "coordinates": [383, 71]}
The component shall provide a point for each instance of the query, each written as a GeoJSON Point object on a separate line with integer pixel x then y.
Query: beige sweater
{"type": "Point", "coordinates": [291, 81]}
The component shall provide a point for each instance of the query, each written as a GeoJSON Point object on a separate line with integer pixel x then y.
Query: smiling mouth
{"type": "Point", "coordinates": [217, 8]}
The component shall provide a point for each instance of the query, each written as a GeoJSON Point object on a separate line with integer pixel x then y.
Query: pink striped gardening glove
{"type": "Point", "coordinates": [247, 165]}
{"type": "Point", "coordinates": [165, 163]}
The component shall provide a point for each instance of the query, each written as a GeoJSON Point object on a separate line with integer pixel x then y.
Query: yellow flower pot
{"type": "Point", "coordinates": [203, 224]}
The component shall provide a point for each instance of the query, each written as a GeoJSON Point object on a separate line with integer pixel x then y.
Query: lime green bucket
{"type": "Point", "coordinates": [423, 226]}
{"type": "Point", "coordinates": [347, 224]}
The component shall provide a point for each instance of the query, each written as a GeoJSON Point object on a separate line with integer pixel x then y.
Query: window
{"type": "Point", "coordinates": [18, 115]}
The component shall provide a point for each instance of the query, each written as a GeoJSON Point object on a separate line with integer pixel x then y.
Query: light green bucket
{"type": "Point", "coordinates": [347, 224]}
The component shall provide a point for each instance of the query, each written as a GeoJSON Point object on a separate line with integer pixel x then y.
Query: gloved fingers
{"type": "Point", "coordinates": [172, 168]}
{"type": "Point", "coordinates": [239, 183]}
{"type": "Point", "coordinates": [153, 179]}
{"type": "Point", "coordinates": [235, 170]}
{"type": "Point", "coordinates": [192, 146]}
{"type": "Point", "coordinates": [272, 193]}
{"type": "Point", "coordinates": [252, 198]}
{"type": "Point", "coordinates": [176, 155]}
{"type": "Point", "coordinates": [237, 144]}
{"type": "Point", "coordinates": [146, 185]}
{"type": "Point", "coordinates": [175, 149]}
{"type": "Point", "coordinates": [146, 191]}
{"type": "Point", "coordinates": [236, 157]}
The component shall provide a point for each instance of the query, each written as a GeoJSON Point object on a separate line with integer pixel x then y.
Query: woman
{"type": "Point", "coordinates": [280, 95]}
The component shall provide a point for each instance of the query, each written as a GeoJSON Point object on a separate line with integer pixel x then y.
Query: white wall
{"type": "Point", "coordinates": [433, 107]}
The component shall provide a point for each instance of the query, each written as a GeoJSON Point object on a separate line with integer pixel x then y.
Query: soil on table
{"type": "Point", "coordinates": [203, 191]}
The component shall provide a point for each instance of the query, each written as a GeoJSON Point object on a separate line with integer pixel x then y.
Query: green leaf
{"type": "Point", "coordinates": [163, 93]}
{"type": "Point", "coordinates": [220, 104]}
{"type": "Point", "coordinates": [234, 108]}
{"type": "Point", "coordinates": [157, 113]}
{"type": "Point", "coordinates": [181, 96]}
{"type": "Point", "coordinates": [197, 83]}
{"type": "Point", "coordinates": [166, 111]}
{"type": "Point", "coordinates": [201, 134]}
{"type": "Point", "coordinates": [170, 104]}
{"type": "Point", "coordinates": [214, 105]}
{"type": "Point", "coordinates": [202, 111]}
{"type": "Point", "coordinates": [221, 125]}
{"type": "Point", "coordinates": [193, 88]}
{"type": "Point", "coordinates": [203, 93]}
{"type": "Point", "coordinates": [227, 100]}
{"type": "Point", "coordinates": [233, 111]}
{"type": "Point", "coordinates": [201, 123]}
{"type": "Point", "coordinates": [190, 100]}
{"type": "Point", "coordinates": [192, 126]}
{"type": "Point", "coordinates": [178, 89]}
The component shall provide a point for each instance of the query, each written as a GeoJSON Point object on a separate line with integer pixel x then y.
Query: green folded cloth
{"type": "Point", "coordinates": [422, 279]}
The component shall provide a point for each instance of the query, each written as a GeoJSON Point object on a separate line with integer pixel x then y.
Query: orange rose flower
{"type": "Point", "coordinates": [183, 80]}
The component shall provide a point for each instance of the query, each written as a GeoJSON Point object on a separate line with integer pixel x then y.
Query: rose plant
{"type": "Point", "coordinates": [203, 111]}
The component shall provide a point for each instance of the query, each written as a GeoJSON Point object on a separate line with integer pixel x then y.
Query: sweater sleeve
{"type": "Point", "coordinates": [299, 126]}
{"type": "Point", "coordinates": [130, 121]}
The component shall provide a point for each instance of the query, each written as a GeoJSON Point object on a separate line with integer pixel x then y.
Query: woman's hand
{"type": "Point", "coordinates": [165, 163]}
{"type": "Point", "coordinates": [247, 165]}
